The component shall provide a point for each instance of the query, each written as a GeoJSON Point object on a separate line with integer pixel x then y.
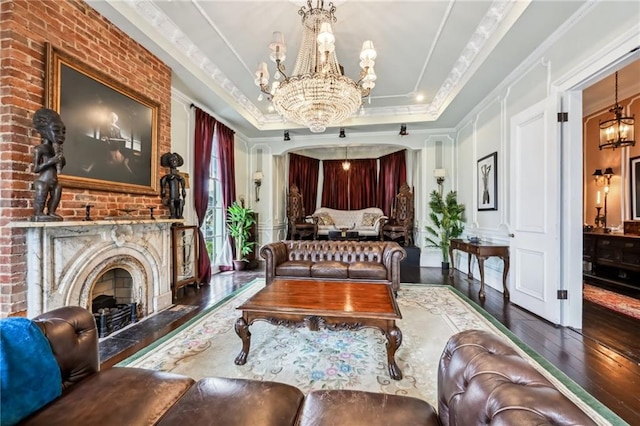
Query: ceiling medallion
{"type": "Point", "coordinates": [317, 94]}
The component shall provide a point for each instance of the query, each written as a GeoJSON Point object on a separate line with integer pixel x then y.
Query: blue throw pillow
{"type": "Point", "coordinates": [30, 376]}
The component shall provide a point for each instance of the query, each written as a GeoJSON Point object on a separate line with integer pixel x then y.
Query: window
{"type": "Point", "coordinates": [213, 227]}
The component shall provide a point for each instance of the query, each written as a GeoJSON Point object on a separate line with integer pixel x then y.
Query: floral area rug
{"type": "Point", "coordinates": [208, 345]}
{"type": "Point", "coordinates": [614, 301]}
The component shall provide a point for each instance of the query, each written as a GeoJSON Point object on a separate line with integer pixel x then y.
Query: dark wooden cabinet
{"type": "Point", "coordinates": [614, 259]}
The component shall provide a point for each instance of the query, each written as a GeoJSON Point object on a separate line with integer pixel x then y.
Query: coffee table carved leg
{"type": "Point", "coordinates": [394, 340]}
{"type": "Point", "coordinates": [242, 330]}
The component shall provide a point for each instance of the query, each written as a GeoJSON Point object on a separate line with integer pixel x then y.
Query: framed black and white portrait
{"type": "Point", "coordinates": [488, 182]}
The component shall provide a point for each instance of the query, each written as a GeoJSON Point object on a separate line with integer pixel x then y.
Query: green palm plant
{"type": "Point", "coordinates": [447, 216]}
{"type": "Point", "coordinates": [239, 221]}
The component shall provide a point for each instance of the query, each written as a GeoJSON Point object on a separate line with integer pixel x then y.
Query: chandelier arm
{"type": "Point", "coordinates": [363, 74]}
{"type": "Point", "coordinates": [265, 89]}
{"type": "Point", "coordinates": [280, 67]}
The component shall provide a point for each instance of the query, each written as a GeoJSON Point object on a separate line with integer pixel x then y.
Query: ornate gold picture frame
{"type": "Point", "coordinates": [112, 131]}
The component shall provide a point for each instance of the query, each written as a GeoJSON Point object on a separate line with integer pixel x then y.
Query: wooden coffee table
{"type": "Point", "coordinates": [334, 305]}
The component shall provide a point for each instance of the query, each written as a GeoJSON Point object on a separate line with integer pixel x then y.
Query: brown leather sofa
{"type": "Point", "coordinates": [346, 260]}
{"type": "Point", "coordinates": [481, 381]}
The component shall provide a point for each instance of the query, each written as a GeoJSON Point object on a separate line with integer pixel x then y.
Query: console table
{"type": "Point", "coordinates": [481, 251]}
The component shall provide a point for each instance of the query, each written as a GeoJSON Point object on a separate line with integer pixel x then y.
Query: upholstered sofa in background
{"type": "Point", "coordinates": [481, 381]}
{"type": "Point", "coordinates": [346, 260]}
{"type": "Point", "coordinates": [367, 222]}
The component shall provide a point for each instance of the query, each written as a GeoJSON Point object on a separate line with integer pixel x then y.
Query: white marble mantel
{"type": "Point", "coordinates": [64, 260]}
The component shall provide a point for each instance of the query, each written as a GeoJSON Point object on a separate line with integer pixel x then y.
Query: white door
{"type": "Point", "coordinates": [535, 215]}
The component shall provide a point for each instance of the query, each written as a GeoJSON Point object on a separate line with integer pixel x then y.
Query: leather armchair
{"type": "Point", "coordinates": [400, 223]}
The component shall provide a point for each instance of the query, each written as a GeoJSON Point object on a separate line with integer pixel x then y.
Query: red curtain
{"type": "Point", "coordinates": [203, 139]}
{"type": "Point", "coordinates": [363, 183]}
{"type": "Point", "coordinates": [334, 188]}
{"type": "Point", "coordinates": [393, 173]}
{"type": "Point", "coordinates": [303, 171]}
{"type": "Point", "coordinates": [226, 159]}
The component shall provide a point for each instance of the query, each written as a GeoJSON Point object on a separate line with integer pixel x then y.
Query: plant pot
{"type": "Point", "coordinates": [239, 265]}
{"type": "Point", "coordinates": [445, 266]}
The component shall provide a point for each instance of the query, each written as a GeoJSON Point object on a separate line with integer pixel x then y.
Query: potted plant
{"type": "Point", "coordinates": [239, 221]}
{"type": "Point", "coordinates": [447, 216]}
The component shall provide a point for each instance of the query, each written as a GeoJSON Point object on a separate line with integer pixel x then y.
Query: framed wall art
{"type": "Point", "coordinates": [112, 131]}
{"type": "Point", "coordinates": [634, 175]}
{"type": "Point", "coordinates": [488, 182]}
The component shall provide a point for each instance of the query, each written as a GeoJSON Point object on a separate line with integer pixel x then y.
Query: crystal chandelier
{"type": "Point", "coordinates": [618, 131]}
{"type": "Point", "coordinates": [317, 94]}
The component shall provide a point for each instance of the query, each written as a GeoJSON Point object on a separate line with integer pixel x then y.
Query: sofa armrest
{"type": "Point", "coordinates": [273, 254]}
{"type": "Point", "coordinates": [483, 380]}
{"type": "Point", "coordinates": [392, 255]}
{"type": "Point", "coordinates": [73, 337]}
{"type": "Point", "coordinates": [379, 225]}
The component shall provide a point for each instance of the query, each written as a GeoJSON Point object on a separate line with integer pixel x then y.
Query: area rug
{"type": "Point", "coordinates": [208, 344]}
{"type": "Point", "coordinates": [617, 302]}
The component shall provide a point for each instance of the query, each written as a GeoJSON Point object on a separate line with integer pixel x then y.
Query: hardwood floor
{"type": "Point", "coordinates": [603, 357]}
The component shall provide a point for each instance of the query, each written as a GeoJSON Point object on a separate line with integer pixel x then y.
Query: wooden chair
{"type": "Point", "coordinates": [400, 223]}
{"type": "Point", "coordinates": [300, 225]}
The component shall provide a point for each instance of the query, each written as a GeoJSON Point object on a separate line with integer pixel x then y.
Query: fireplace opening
{"type": "Point", "coordinates": [112, 301]}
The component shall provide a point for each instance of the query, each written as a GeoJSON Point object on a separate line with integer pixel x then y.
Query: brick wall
{"type": "Point", "coordinates": [76, 29]}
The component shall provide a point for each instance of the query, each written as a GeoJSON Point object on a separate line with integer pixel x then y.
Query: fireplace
{"type": "Point", "coordinates": [68, 261]}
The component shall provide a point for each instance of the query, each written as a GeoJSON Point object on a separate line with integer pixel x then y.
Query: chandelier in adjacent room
{"type": "Point", "coordinates": [618, 131]}
{"type": "Point", "coordinates": [317, 94]}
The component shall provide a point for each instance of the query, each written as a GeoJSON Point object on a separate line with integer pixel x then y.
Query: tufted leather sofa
{"type": "Point", "coordinates": [132, 396]}
{"type": "Point", "coordinates": [346, 260]}
{"type": "Point", "coordinates": [481, 381]}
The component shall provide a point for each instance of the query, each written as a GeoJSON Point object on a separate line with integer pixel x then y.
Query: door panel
{"type": "Point", "coordinates": [535, 214]}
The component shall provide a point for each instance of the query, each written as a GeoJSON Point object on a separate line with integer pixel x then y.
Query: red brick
{"type": "Point", "coordinates": [79, 31]}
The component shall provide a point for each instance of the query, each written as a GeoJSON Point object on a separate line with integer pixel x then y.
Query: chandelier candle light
{"type": "Point", "coordinates": [317, 94]}
{"type": "Point", "coordinates": [618, 131]}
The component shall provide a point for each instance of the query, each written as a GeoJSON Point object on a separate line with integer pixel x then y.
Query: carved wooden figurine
{"type": "Point", "coordinates": [173, 191]}
{"type": "Point", "coordinates": [48, 161]}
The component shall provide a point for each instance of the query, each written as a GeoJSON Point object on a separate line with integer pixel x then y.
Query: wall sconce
{"type": "Point", "coordinates": [286, 136]}
{"type": "Point", "coordinates": [608, 172]}
{"type": "Point", "coordinates": [257, 180]}
{"type": "Point", "coordinates": [403, 130]}
{"type": "Point", "coordinates": [598, 177]}
{"type": "Point", "coordinates": [342, 133]}
{"type": "Point", "coordinates": [439, 175]}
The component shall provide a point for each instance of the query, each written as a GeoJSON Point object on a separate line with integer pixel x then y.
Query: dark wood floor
{"type": "Point", "coordinates": [603, 357]}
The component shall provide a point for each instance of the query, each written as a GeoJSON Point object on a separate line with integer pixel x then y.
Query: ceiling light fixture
{"type": "Point", "coordinates": [317, 94]}
{"type": "Point", "coordinates": [346, 165]}
{"type": "Point", "coordinates": [403, 130]}
{"type": "Point", "coordinates": [618, 131]}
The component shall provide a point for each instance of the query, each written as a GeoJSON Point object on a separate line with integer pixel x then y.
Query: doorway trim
{"type": "Point", "coordinates": [607, 60]}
